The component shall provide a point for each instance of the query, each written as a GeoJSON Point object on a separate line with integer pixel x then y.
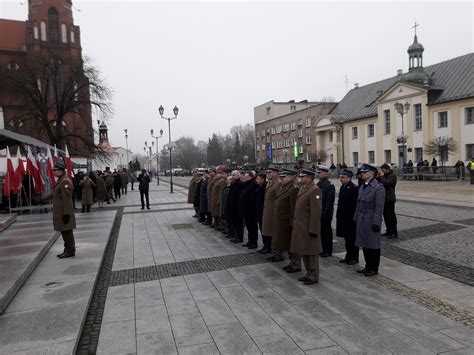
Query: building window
{"type": "Point", "coordinates": [370, 130]}
{"type": "Point", "coordinates": [355, 158]}
{"type": "Point", "coordinates": [301, 149]}
{"type": "Point", "coordinates": [43, 30]}
{"type": "Point", "coordinates": [308, 139]}
{"type": "Point", "coordinates": [308, 157]}
{"type": "Point", "coordinates": [35, 31]}
{"type": "Point", "coordinates": [63, 33]}
{"type": "Point", "coordinates": [278, 129]}
{"type": "Point", "coordinates": [257, 134]}
{"type": "Point", "coordinates": [273, 129]}
{"type": "Point", "coordinates": [53, 25]}
{"type": "Point", "coordinates": [418, 119]}
{"type": "Point", "coordinates": [308, 121]}
{"type": "Point", "coordinates": [442, 119]}
{"type": "Point", "coordinates": [300, 133]}
{"type": "Point", "coordinates": [330, 136]}
{"type": "Point", "coordinates": [73, 37]}
{"type": "Point", "coordinates": [469, 151]}
{"type": "Point", "coordinates": [387, 156]}
{"type": "Point", "coordinates": [300, 122]}
{"type": "Point", "coordinates": [469, 116]}
{"type": "Point", "coordinates": [371, 156]}
{"type": "Point", "coordinates": [386, 122]}
{"type": "Point", "coordinates": [293, 126]}
{"type": "Point", "coordinates": [355, 133]}
{"type": "Point", "coordinates": [286, 127]}
{"type": "Point", "coordinates": [292, 108]}
{"type": "Point", "coordinates": [418, 154]}
{"type": "Point", "coordinates": [268, 110]}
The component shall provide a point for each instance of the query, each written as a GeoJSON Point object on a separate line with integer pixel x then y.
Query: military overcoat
{"type": "Point", "coordinates": [268, 208]}
{"type": "Point", "coordinates": [306, 220]}
{"type": "Point", "coordinates": [346, 205]}
{"type": "Point", "coordinates": [101, 189]}
{"type": "Point", "coordinates": [209, 192]}
{"type": "Point", "coordinates": [192, 190]}
{"type": "Point", "coordinates": [87, 195]}
{"type": "Point", "coordinates": [369, 211]}
{"type": "Point", "coordinates": [124, 179]}
{"type": "Point", "coordinates": [62, 205]}
{"type": "Point", "coordinates": [217, 188]}
{"type": "Point", "coordinates": [283, 216]}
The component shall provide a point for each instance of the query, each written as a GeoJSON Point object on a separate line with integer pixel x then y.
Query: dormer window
{"type": "Point", "coordinates": [53, 25]}
{"type": "Point", "coordinates": [63, 33]}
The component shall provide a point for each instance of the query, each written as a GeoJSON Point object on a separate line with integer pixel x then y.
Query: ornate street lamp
{"type": "Point", "coordinates": [157, 154]}
{"type": "Point", "coordinates": [161, 110]}
{"type": "Point", "coordinates": [402, 109]}
{"type": "Point", "coordinates": [126, 145]}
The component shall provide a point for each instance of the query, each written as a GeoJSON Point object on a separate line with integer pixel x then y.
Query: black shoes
{"type": "Point", "coordinates": [325, 255]}
{"type": "Point", "coordinates": [148, 208]}
{"type": "Point", "coordinates": [310, 282]}
{"type": "Point", "coordinates": [344, 261]}
{"type": "Point", "coordinates": [246, 245]}
{"type": "Point", "coordinates": [252, 246]}
{"type": "Point", "coordinates": [392, 236]}
{"type": "Point", "coordinates": [67, 253]}
{"type": "Point", "coordinates": [264, 251]}
{"type": "Point", "coordinates": [352, 262]}
{"type": "Point", "coordinates": [275, 258]}
{"type": "Point", "coordinates": [237, 240]}
{"type": "Point", "coordinates": [370, 273]}
{"type": "Point", "coordinates": [292, 270]}
{"type": "Point", "coordinates": [362, 271]}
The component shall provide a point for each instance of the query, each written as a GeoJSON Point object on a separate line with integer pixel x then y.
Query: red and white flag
{"type": "Point", "coordinates": [68, 161]}
{"type": "Point", "coordinates": [32, 170]}
{"type": "Point", "coordinates": [9, 182]}
{"type": "Point", "coordinates": [49, 168]}
{"type": "Point", "coordinates": [19, 171]}
{"type": "Point", "coordinates": [56, 156]}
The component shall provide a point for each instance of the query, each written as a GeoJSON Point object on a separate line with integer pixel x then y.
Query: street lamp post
{"type": "Point", "coordinates": [402, 109]}
{"type": "Point", "coordinates": [126, 145]}
{"type": "Point", "coordinates": [161, 110]}
{"type": "Point", "coordinates": [157, 154]}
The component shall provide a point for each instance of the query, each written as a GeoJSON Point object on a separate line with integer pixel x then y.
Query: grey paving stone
{"type": "Point", "coordinates": [461, 334]}
{"type": "Point", "coordinates": [117, 338]}
{"type": "Point", "coordinates": [215, 311]}
{"type": "Point", "coordinates": [332, 350]}
{"type": "Point", "coordinates": [152, 319]}
{"type": "Point", "coordinates": [222, 279]}
{"type": "Point", "coordinates": [304, 333]}
{"type": "Point", "coordinates": [148, 293]}
{"type": "Point", "coordinates": [318, 313]}
{"type": "Point", "coordinates": [202, 349]}
{"type": "Point", "coordinates": [233, 339]}
{"type": "Point", "coordinates": [180, 303]}
{"type": "Point", "coordinates": [189, 329]}
{"type": "Point", "coordinates": [54, 349]}
{"type": "Point", "coordinates": [123, 291]}
{"type": "Point", "coordinates": [201, 287]}
{"type": "Point", "coordinates": [277, 344]}
{"type": "Point", "coordinates": [156, 343]}
{"type": "Point", "coordinates": [119, 310]}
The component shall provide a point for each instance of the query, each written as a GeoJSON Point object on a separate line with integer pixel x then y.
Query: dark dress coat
{"type": "Point", "coordinates": [283, 216]}
{"type": "Point", "coordinates": [346, 206]}
{"type": "Point", "coordinates": [62, 205]}
{"type": "Point", "coordinates": [329, 195]}
{"type": "Point", "coordinates": [101, 189]}
{"type": "Point", "coordinates": [224, 202]}
{"type": "Point", "coordinates": [369, 211]}
{"type": "Point", "coordinates": [389, 181]}
{"type": "Point", "coordinates": [259, 200]}
{"type": "Point", "coordinates": [143, 182]}
{"type": "Point", "coordinates": [86, 185]}
{"type": "Point", "coordinates": [306, 221]}
{"type": "Point", "coordinates": [192, 190]}
{"type": "Point", "coordinates": [203, 196]}
{"type": "Point", "coordinates": [268, 208]}
{"type": "Point", "coordinates": [124, 179]}
{"type": "Point", "coordinates": [197, 194]}
{"type": "Point", "coordinates": [234, 201]}
{"type": "Point", "coordinates": [247, 203]}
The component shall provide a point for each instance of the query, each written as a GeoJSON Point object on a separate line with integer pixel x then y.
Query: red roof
{"type": "Point", "coordinates": [13, 35]}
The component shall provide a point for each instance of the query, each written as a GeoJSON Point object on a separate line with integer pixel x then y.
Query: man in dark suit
{"type": "Point", "coordinates": [329, 195]}
{"type": "Point", "coordinates": [144, 186]}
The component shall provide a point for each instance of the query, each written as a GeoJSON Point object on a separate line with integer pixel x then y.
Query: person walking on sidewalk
{"type": "Point", "coordinates": [329, 195]}
{"type": "Point", "coordinates": [389, 180]}
{"type": "Point", "coordinates": [64, 220]}
{"type": "Point", "coordinates": [345, 225]}
{"type": "Point", "coordinates": [109, 185]}
{"type": "Point", "coordinates": [306, 232]}
{"type": "Point", "coordinates": [143, 187]}
{"type": "Point", "coordinates": [101, 190]}
{"type": "Point", "coordinates": [86, 185]}
{"type": "Point", "coordinates": [368, 218]}
{"type": "Point", "coordinates": [124, 180]}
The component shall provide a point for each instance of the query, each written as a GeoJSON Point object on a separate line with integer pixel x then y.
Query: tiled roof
{"type": "Point", "coordinates": [452, 80]}
{"type": "Point", "coordinates": [12, 35]}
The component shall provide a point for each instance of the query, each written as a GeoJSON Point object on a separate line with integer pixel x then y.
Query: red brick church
{"type": "Point", "coordinates": [48, 37]}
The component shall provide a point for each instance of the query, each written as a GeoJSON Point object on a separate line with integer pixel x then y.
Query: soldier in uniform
{"type": "Point", "coordinates": [197, 194]}
{"type": "Point", "coordinates": [64, 220]}
{"type": "Point", "coordinates": [345, 225]}
{"type": "Point", "coordinates": [192, 190]}
{"type": "Point", "coordinates": [217, 186]}
{"type": "Point", "coordinates": [86, 185]}
{"type": "Point", "coordinates": [283, 219]}
{"type": "Point", "coordinates": [389, 180]}
{"type": "Point", "coordinates": [203, 200]}
{"type": "Point", "coordinates": [248, 207]}
{"type": "Point", "coordinates": [236, 223]}
{"type": "Point", "coordinates": [368, 218]}
{"type": "Point", "coordinates": [210, 185]}
{"type": "Point", "coordinates": [329, 194]}
{"type": "Point", "coordinates": [306, 232]}
{"type": "Point", "coordinates": [273, 184]}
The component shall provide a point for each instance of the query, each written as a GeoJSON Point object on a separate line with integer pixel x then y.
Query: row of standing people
{"type": "Point", "coordinates": [293, 216]}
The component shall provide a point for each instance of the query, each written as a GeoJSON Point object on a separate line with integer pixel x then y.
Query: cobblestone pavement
{"type": "Point", "coordinates": [171, 285]}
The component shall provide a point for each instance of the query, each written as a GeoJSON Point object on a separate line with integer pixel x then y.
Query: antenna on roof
{"type": "Point", "coordinates": [347, 82]}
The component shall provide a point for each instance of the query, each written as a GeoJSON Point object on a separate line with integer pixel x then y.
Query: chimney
{"type": "Point", "coordinates": [356, 85]}
{"type": "Point", "coordinates": [399, 72]}
{"type": "Point", "coordinates": [379, 92]}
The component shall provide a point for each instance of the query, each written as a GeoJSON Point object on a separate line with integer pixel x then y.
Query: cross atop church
{"type": "Point", "coordinates": [415, 26]}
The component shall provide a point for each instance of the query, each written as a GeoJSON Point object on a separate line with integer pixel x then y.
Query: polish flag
{"type": "Point", "coordinates": [40, 170]}
{"type": "Point", "coordinates": [32, 170]}
{"type": "Point", "coordinates": [56, 156]}
{"type": "Point", "coordinates": [49, 167]}
{"type": "Point", "coordinates": [9, 182]}
{"type": "Point", "coordinates": [68, 161]}
{"type": "Point", "coordinates": [19, 172]}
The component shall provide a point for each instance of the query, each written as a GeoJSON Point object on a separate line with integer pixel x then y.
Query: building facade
{"type": "Point", "coordinates": [29, 50]}
{"type": "Point", "coordinates": [438, 101]}
{"type": "Point", "coordinates": [289, 138]}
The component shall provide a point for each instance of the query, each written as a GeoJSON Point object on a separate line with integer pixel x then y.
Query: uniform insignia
{"type": "Point", "coordinates": [317, 197]}
{"type": "Point", "coordinates": [66, 186]}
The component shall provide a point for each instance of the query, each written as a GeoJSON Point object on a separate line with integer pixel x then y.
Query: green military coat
{"type": "Point", "coordinates": [306, 220]}
{"type": "Point", "coordinates": [268, 208]}
{"type": "Point", "coordinates": [62, 205]}
{"type": "Point", "coordinates": [192, 190]}
{"type": "Point", "coordinates": [101, 191]}
{"type": "Point", "coordinates": [285, 200]}
{"type": "Point", "coordinates": [217, 187]}
{"type": "Point", "coordinates": [87, 195]}
{"type": "Point", "coordinates": [124, 179]}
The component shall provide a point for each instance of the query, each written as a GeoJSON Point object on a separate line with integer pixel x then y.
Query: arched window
{"type": "Point", "coordinates": [63, 33]}
{"type": "Point", "coordinates": [43, 31]}
{"type": "Point", "coordinates": [53, 25]}
{"type": "Point", "coordinates": [35, 31]}
{"type": "Point", "coordinates": [72, 36]}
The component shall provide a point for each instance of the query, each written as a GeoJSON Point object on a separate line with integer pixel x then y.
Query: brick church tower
{"type": "Point", "coordinates": [47, 48]}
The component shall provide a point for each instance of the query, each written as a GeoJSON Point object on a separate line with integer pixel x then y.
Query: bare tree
{"type": "Point", "coordinates": [321, 155]}
{"type": "Point", "coordinates": [57, 96]}
{"type": "Point", "coordinates": [441, 147]}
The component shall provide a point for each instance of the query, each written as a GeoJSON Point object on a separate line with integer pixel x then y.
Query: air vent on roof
{"type": "Point", "coordinates": [356, 85]}
{"type": "Point", "coordinates": [399, 72]}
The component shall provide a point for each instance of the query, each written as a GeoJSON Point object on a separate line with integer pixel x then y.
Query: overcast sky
{"type": "Point", "coordinates": [218, 60]}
